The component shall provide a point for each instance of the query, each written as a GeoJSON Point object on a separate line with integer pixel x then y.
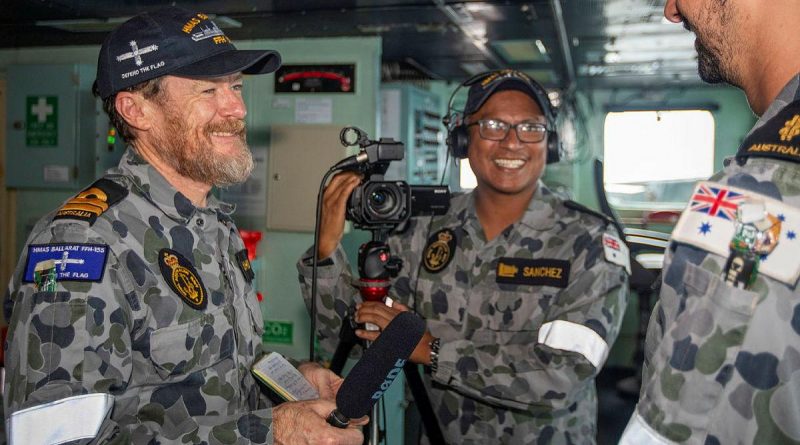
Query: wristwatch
{"type": "Point", "coordinates": [434, 344]}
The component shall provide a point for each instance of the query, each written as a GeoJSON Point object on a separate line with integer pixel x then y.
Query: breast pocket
{"type": "Point", "coordinates": [516, 308]}
{"type": "Point", "coordinates": [186, 348]}
{"type": "Point", "coordinates": [695, 358]}
{"type": "Point", "coordinates": [254, 310]}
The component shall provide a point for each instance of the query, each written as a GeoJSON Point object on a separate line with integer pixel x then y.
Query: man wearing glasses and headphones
{"type": "Point", "coordinates": [522, 292]}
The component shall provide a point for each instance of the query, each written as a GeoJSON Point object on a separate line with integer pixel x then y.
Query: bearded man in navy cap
{"type": "Point", "coordinates": [133, 318]}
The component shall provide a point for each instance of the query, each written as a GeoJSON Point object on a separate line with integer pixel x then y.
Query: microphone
{"type": "Point", "coordinates": [377, 369]}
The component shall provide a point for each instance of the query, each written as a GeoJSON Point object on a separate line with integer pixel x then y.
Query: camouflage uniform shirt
{"type": "Point", "coordinates": [126, 350]}
{"type": "Point", "coordinates": [722, 363]}
{"type": "Point", "coordinates": [503, 310]}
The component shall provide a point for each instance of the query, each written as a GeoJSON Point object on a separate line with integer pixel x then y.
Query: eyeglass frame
{"type": "Point", "coordinates": [481, 123]}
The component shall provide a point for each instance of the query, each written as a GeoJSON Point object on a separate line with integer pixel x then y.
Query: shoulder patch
{"type": "Point", "coordinates": [243, 261]}
{"type": "Point", "coordinates": [570, 204]}
{"type": "Point", "coordinates": [66, 262]}
{"type": "Point", "coordinates": [617, 252]}
{"type": "Point", "coordinates": [778, 138]}
{"type": "Point", "coordinates": [92, 201]}
{"type": "Point", "coordinates": [724, 220]}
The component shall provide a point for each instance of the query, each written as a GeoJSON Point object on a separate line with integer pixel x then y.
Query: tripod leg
{"type": "Point", "coordinates": [347, 339]}
{"type": "Point", "coordinates": [429, 419]}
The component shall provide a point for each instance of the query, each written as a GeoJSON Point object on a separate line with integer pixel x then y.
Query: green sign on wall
{"type": "Point", "coordinates": [41, 121]}
{"type": "Point", "coordinates": [278, 332]}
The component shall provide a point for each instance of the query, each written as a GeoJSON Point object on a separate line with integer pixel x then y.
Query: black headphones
{"type": "Point", "coordinates": [457, 131]}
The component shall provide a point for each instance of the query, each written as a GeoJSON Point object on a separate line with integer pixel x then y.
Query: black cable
{"type": "Point", "coordinates": [314, 261]}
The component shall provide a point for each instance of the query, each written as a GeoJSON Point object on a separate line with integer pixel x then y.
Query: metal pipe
{"type": "Point", "coordinates": [478, 41]}
{"type": "Point", "coordinates": [561, 30]}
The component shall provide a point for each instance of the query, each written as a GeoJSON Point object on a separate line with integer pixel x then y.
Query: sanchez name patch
{"type": "Point", "coordinates": [73, 262]}
{"type": "Point", "coordinates": [181, 277]}
{"type": "Point", "coordinates": [543, 272]}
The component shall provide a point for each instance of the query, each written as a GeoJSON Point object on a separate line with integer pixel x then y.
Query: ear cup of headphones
{"type": "Point", "coordinates": [553, 147]}
{"type": "Point", "coordinates": [458, 141]}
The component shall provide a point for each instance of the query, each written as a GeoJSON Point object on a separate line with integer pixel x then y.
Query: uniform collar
{"type": "Point", "coordinates": [156, 189]}
{"type": "Point", "coordinates": [789, 94]}
{"type": "Point", "coordinates": [540, 214]}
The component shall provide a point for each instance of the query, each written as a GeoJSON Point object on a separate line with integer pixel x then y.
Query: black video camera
{"type": "Point", "coordinates": [377, 204]}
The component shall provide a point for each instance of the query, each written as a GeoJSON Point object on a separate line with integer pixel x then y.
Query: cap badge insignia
{"type": "Point", "coordinates": [136, 52]}
{"type": "Point", "coordinates": [207, 32]}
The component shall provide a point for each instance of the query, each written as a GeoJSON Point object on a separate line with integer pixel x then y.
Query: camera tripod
{"type": "Point", "coordinates": [376, 266]}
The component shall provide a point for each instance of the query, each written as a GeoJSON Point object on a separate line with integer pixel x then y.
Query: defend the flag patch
{"type": "Point", "coordinates": [73, 262]}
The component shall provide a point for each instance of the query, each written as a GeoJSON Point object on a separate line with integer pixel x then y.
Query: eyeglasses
{"type": "Point", "coordinates": [497, 130]}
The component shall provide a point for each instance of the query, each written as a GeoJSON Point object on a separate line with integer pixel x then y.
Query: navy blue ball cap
{"type": "Point", "coordinates": [177, 42]}
{"type": "Point", "coordinates": [484, 86]}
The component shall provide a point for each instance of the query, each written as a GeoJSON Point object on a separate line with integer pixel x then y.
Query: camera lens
{"type": "Point", "coordinates": [382, 201]}
{"type": "Point", "coordinates": [378, 198]}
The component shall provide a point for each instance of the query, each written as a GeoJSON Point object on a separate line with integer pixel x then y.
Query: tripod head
{"type": "Point", "coordinates": [376, 266]}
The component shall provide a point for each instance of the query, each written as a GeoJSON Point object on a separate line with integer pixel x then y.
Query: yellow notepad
{"type": "Point", "coordinates": [283, 378]}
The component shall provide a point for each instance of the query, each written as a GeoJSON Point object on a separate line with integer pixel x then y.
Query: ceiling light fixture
{"type": "Point", "coordinates": [108, 24]}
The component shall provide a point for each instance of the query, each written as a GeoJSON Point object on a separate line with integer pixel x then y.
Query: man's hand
{"type": "Point", "coordinates": [334, 203]}
{"type": "Point", "coordinates": [324, 380]}
{"type": "Point", "coordinates": [381, 315]}
{"type": "Point", "coordinates": [304, 423]}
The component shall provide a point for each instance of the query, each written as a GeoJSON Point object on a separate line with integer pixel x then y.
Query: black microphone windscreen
{"type": "Point", "coordinates": [380, 364]}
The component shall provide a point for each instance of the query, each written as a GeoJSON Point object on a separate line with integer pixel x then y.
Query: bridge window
{"type": "Point", "coordinates": [653, 158]}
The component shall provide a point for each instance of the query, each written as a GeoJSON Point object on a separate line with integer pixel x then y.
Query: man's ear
{"type": "Point", "coordinates": [131, 107]}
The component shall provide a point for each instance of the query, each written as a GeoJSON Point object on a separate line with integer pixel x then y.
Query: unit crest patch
{"type": "Point", "coordinates": [182, 278]}
{"type": "Point", "coordinates": [244, 265]}
{"type": "Point", "coordinates": [439, 250]}
{"type": "Point", "coordinates": [93, 201]}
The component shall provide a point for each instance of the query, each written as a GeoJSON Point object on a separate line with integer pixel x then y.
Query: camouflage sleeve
{"type": "Point", "coordinates": [550, 367]}
{"type": "Point", "coordinates": [335, 294]}
{"type": "Point", "coordinates": [656, 326]}
{"type": "Point", "coordinates": [69, 365]}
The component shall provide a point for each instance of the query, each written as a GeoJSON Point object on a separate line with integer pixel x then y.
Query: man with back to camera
{"type": "Point", "coordinates": [134, 317]}
{"type": "Point", "coordinates": [722, 358]}
{"type": "Point", "coordinates": [521, 300]}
